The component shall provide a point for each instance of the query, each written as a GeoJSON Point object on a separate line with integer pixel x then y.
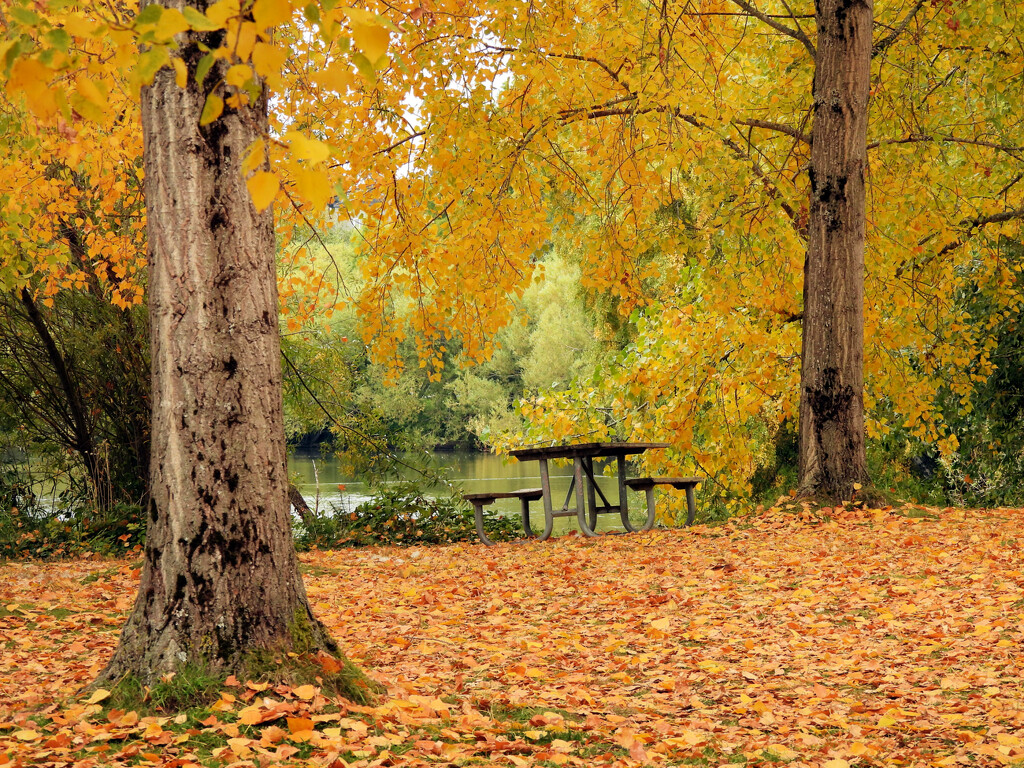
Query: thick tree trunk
{"type": "Point", "coordinates": [220, 581]}
{"type": "Point", "coordinates": [832, 445]}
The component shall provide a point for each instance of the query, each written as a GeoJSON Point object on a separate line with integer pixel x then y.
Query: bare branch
{"type": "Point", "coordinates": [920, 139]}
{"type": "Point", "coordinates": [398, 143]}
{"type": "Point", "coordinates": [789, 130]}
{"type": "Point", "coordinates": [796, 34]}
{"type": "Point", "coordinates": [883, 44]}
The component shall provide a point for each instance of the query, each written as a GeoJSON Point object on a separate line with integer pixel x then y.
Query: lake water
{"type": "Point", "coordinates": [475, 472]}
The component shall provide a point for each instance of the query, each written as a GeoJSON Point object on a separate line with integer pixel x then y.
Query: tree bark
{"type": "Point", "coordinates": [220, 580]}
{"type": "Point", "coordinates": [297, 500]}
{"type": "Point", "coordinates": [832, 443]}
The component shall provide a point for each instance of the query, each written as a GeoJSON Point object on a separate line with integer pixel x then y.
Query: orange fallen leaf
{"type": "Point", "coordinates": [299, 724]}
{"type": "Point", "coordinates": [305, 692]}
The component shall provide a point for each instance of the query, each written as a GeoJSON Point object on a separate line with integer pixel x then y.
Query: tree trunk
{"type": "Point", "coordinates": [832, 444]}
{"type": "Point", "coordinates": [220, 584]}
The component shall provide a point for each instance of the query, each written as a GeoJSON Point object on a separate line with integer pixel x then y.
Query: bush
{"type": "Point", "coordinates": [29, 529]}
{"type": "Point", "coordinates": [404, 515]}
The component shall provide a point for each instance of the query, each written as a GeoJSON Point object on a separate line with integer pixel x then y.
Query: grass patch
{"type": "Point", "coordinates": [335, 675]}
{"type": "Point", "coordinates": [525, 714]}
{"type": "Point", "coordinates": [317, 571]}
{"type": "Point", "coordinates": [918, 514]}
{"type": "Point", "coordinates": [105, 573]}
{"type": "Point", "coordinates": [193, 685]}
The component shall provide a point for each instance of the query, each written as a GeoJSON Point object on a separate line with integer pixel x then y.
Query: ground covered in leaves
{"type": "Point", "coordinates": [872, 638]}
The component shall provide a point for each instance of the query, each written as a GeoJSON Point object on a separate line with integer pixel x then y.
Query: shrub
{"type": "Point", "coordinates": [402, 514]}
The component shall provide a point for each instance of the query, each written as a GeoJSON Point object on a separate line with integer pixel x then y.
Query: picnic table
{"type": "Point", "coordinates": [584, 483]}
{"type": "Point", "coordinates": [585, 487]}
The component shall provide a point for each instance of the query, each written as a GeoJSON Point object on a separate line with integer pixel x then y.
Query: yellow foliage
{"type": "Point", "coordinates": [263, 187]}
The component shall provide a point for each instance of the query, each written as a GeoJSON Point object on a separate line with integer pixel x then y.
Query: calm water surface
{"type": "Point", "coordinates": [474, 472]}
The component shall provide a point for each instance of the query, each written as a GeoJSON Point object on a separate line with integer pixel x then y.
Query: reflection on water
{"type": "Point", "coordinates": [474, 472]}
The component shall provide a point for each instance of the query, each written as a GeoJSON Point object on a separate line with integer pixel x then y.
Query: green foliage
{"type": "Point", "coordinates": [61, 523]}
{"type": "Point", "coordinates": [404, 515]}
{"type": "Point", "coordinates": [74, 386]}
{"type": "Point", "coordinates": [376, 408]}
{"type": "Point", "coordinates": [34, 533]}
{"type": "Point", "coordinates": [987, 468]}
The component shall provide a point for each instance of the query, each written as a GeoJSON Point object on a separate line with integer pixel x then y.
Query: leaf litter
{"type": "Point", "coordinates": [845, 639]}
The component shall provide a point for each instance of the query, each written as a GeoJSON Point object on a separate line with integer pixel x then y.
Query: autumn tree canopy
{"type": "Point", "coordinates": [664, 147]}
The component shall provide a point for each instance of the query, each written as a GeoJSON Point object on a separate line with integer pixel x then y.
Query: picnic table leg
{"type": "Point", "coordinates": [581, 506]}
{"type": "Point", "coordinates": [478, 512]}
{"type": "Point", "coordinates": [588, 467]}
{"type": "Point", "coordinates": [649, 523]}
{"type": "Point", "coordinates": [623, 498]}
{"type": "Point", "coordinates": [526, 519]}
{"type": "Point", "coordinates": [545, 484]}
{"type": "Point", "coordinates": [691, 505]}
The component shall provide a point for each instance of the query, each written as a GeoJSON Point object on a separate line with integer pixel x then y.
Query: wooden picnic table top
{"type": "Point", "coordinates": [583, 450]}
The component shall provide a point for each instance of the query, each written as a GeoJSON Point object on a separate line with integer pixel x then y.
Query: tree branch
{"type": "Point", "coordinates": [607, 110]}
{"type": "Point", "coordinates": [918, 139]}
{"type": "Point", "coordinates": [971, 226]}
{"type": "Point", "coordinates": [394, 146]}
{"type": "Point", "coordinates": [789, 130]}
{"type": "Point", "coordinates": [883, 44]}
{"type": "Point", "coordinates": [796, 34]}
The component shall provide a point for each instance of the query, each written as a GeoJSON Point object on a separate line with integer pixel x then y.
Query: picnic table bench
{"type": "Point", "coordinates": [586, 488]}
{"type": "Point", "coordinates": [647, 485]}
{"type": "Point", "coordinates": [481, 500]}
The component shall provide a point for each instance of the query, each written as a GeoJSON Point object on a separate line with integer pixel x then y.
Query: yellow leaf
{"type": "Point", "coordinates": [837, 763]}
{"type": "Point", "coordinates": [88, 90]}
{"type": "Point", "coordinates": [212, 109]}
{"type": "Point", "coordinates": [305, 692]}
{"type": "Point", "coordinates": [32, 78]}
{"type": "Point", "coordinates": [370, 33]}
{"type": "Point", "coordinates": [79, 26]}
{"type": "Point", "coordinates": [254, 157]}
{"type": "Point", "coordinates": [782, 751]}
{"type": "Point", "coordinates": [221, 11]}
{"type": "Point", "coordinates": [271, 13]}
{"type": "Point", "coordinates": [151, 62]}
{"type": "Point", "coordinates": [98, 695]}
{"type": "Point", "coordinates": [304, 148]}
{"type": "Point", "coordinates": [268, 60]}
{"type": "Point", "coordinates": [662, 624]}
{"type": "Point", "coordinates": [314, 187]}
{"type": "Point", "coordinates": [337, 77]}
{"type": "Point", "coordinates": [27, 735]}
{"type": "Point", "coordinates": [240, 746]}
{"type": "Point", "coordinates": [239, 41]}
{"type": "Point", "coordinates": [171, 23]}
{"type": "Point", "coordinates": [27, 74]}
{"type": "Point", "coordinates": [180, 72]}
{"type": "Point", "coordinates": [250, 715]}
{"type": "Point", "coordinates": [237, 75]}
{"type": "Point", "coordinates": [263, 186]}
